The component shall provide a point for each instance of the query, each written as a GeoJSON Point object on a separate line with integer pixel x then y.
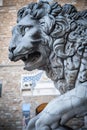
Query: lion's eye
{"type": "Point", "coordinates": [23, 29]}
{"type": "Point", "coordinates": [27, 29]}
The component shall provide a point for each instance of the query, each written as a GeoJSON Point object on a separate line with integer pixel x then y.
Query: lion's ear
{"type": "Point", "coordinates": [47, 24]}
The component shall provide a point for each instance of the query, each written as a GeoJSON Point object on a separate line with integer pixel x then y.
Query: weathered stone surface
{"type": "Point", "coordinates": [10, 75]}
{"type": "Point", "coordinates": [53, 38]}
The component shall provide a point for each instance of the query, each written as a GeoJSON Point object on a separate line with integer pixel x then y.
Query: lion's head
{"type": "Point", "coordinates": [33, 36]}
{"type": "Point", "coordinates": [27, 44]}
{"type": "Point", "coordinates": [29, 41]}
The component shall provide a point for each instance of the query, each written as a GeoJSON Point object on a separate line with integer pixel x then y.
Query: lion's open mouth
{"type": "Point", "coordinates": [31, 58]}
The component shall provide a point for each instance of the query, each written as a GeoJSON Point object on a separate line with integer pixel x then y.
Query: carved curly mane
{"type": "Point", "coordinates": [37, 10]}
{"type": "Point", "coordinates": [64, 30]}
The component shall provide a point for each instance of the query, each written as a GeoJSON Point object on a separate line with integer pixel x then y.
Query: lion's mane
{"type": "Point", "coordinates": [64, 30]}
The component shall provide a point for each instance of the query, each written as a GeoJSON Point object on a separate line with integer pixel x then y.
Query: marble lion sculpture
{"type": "Point", "coordinates": [53, 38]}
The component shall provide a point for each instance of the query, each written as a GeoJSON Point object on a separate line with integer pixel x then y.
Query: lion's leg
{"type": "Point", "coordinates": [47, 121]}
{"type": "Point", "coordinates": [41, 126]}
{"type": "Point", "coordinates": [77, 111]}
{"type": "Point", "coordinates": [31, 124]}
{"type": "Point", "coordinates": [65, 107]}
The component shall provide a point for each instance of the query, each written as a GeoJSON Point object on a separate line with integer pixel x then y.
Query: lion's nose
{"type": "Point", "coordinates": [12, 48]}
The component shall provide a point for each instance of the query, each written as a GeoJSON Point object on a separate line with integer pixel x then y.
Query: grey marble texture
{"type": "Point", "coordinates": [53, 38]}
